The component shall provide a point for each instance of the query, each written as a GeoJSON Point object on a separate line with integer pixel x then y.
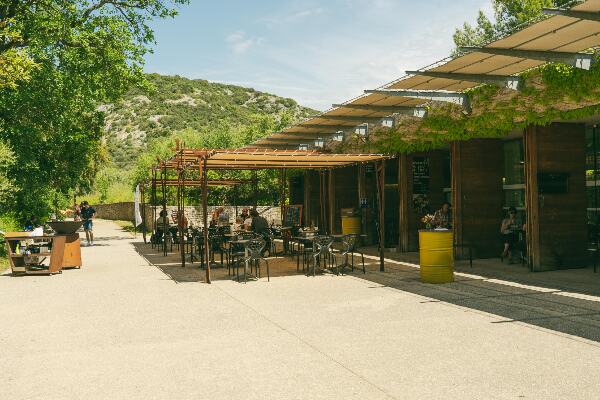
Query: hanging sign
{"type": "Point", "coordinates": [420, 169]}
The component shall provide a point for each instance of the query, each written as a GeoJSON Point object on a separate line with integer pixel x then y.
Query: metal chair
{"type": "Point", "coordinates": [269, 237]}
{"type": "Point", "coordinates": [235, 251]}
{"type": "Point", "coordinates": [254, 248]}
{"type": "Point", "coordinates": [215, 241]}
{"type": "Point", "coordinates": [352, 242]}
{"type": "Point", "coordinates": [321, 252]}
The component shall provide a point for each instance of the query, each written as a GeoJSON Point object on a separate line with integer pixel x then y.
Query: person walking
{"type": "Point", "coordinates": [87, 215]}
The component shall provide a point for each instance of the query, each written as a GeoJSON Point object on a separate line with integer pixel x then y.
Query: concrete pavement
{"type": "Point", "coordinates": [121, 329]}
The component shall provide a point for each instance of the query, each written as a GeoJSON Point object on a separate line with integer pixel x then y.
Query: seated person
{"type": "Point", "coordinates": [443, 217]}
{"type": "Point", "coordinates": [238, 224]}
{"type": "Point", "coordinates": [509, 229]}
{"type": "Point", "coordinates": [223, 219]}
{"type": "Point", "coordinates": [161, 221]}
{"type": "Point", "coordinates": [260, 225]}
{"type": "Point", "coordinates": [247, 223]}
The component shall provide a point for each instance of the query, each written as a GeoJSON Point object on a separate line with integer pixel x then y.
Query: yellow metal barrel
{"type": "Point", "coordinates": [350, 225]}
{"type": "Point", "coordinates": [436, 254]}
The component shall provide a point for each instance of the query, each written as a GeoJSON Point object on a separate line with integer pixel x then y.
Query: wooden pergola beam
{"type": "Point", "coordinates": [438, 95]}
{"type": "Point", "coordinates": [418, 112]}
{"type": "Point", "coordinates": [351, 118]}
{"type": "Point", "coordinates": [578, 60]}
{"type": "Point", "coordinates": [511, 82]}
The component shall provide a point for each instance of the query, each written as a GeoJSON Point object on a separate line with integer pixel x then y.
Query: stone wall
{"type": "Point", "coordinates": [124, 211]}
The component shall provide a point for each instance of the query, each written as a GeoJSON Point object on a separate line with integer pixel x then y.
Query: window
{"type": "Point", "coordinates": [592, 174]}
{"type": "Point", "coordinates": [513, 181]}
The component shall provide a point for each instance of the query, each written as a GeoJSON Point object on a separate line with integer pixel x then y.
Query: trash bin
{"type": "Point", "coordinates": [436, 254]}
{"type": "Point", "coordinates": [351, 221]}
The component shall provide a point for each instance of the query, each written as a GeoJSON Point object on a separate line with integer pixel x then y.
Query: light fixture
{"type": "Point", "coordinates": [362, 130]}
{"type": "Point", "coordinates": [387, 122]}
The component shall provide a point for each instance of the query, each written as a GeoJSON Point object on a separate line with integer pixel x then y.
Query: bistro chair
{"type": "Point", "coordinates": [254, 248]}
{"type": "Point", "coordinates": [197, 250]}
{"type": "Point", "coordinates": [352, 242]}
{"type": "Point", "coordinates": [236, 252]}
{"type": "Point", "coordinates": [269, 237]}
{"type": "Point", "coordinates": [321, 252]}
{"type": "Point", "coordinates": [215, 241]}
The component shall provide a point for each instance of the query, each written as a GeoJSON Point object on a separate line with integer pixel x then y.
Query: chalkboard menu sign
{"type": "Point", "coordinates": [293, 215]}
{"type": "Point", "coordinates": [420, 169]}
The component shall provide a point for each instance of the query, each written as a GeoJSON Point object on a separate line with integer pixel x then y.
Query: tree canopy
{"type": "Point", "coordinates": [66, 58]}
{"type": "Point", "coordinates": [509, 15]}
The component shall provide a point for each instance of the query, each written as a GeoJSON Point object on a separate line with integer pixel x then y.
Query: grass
{"type": "Point", "coordinates": [8, 223]}
{"type": "Point", "coordinates": [3, 264]}
{"type": "Point", "coordinates": [126, 226]}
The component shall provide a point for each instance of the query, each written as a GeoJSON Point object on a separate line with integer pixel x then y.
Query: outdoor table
{"type": "Point", "coordinates": [64, 250]}
{"type": "Point", "coordinates": [304, 241]}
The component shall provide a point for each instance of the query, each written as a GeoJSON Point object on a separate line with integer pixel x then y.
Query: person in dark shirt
{"type": "Point", "coordinates": [259, 224]}
{"type": "Point", "coordinates": [87, 214]}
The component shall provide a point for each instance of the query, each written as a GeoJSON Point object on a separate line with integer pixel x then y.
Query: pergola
{"type": "Point", "coordinates": [205, 160]}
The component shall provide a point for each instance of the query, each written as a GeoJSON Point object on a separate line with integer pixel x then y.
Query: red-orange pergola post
{"type": "Point", "coordinates": [204, 177]}
{"type": "Point", "coordinates": [380, 180]}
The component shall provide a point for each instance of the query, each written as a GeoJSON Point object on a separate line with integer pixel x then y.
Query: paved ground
{"type": "Point", "coordinates": [123, 329]}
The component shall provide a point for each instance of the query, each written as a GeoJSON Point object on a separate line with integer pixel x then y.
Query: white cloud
{"type": "Point", "coordinates": [240, 43]}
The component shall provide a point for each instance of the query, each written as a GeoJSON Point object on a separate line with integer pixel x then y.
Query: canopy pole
{"type": "Point", "coordinates": [143, 205]}
{"type": "Point", "coordinates": [282, 178]}
{"type": "Point", "coordinates": [180, 215]}
{"type": "Point", "coordinates": [153, 201]}
{"type": "Point", "coordinates": [321, 205]}
{"type": "Point", "coordinates": [306, 199]}
{"type": "Point", "coordinates": [380, 178]}
{"type": "Point", "coordinates": [254, 189]}
{"type": "Point", "coordinates": [164, 209]}
{"type": "Point", "coordinates": [330, 201]}
{"type": "Point", "coordinates": [204, 176]}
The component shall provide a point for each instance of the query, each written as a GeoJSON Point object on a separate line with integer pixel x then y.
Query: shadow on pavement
{"type": "Point", "coordinates": [545, 306]}
{"type": "Point", "coordinates": [170, 265]}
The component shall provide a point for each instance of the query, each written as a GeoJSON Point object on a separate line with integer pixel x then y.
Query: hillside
{"type": "Point", "coordinates": [176, 103]}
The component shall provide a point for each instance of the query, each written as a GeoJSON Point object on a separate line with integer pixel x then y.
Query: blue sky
{"type": "Point", "coordinates": [316, 52]}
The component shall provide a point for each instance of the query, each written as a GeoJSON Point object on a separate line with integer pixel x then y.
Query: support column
{"type": "Point", "coordinates": [143, 205]}
{"type": "Point", "coordinates": [362, 194]}
{"type": "Point", "coordinates": [330, 201]}
{"type": "Point", "coordinates": [153, 200]}
{"type": "Point", "coordinates": [282, 181]}
{"type": "Point", "coordinates": [380, 182]}
{"type": "Point", "coordinates": [556, 213]}
{"type": "Point", "coordinates": [306, 209]}
{"type": "Point", "coordinates": [204, 177]}
{"type": "Point", "coordinates": [405, 202]}
{"type": "Point", "coordinates": [477, 171]}
{"type": "Point", "coordinates": [164, 208]}
{"type": "Point", "coordinates": [322, 221]}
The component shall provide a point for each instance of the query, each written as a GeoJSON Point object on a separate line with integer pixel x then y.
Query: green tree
{"type": "Point", "coordinates": [84, 53]}
{"type": "Point", "coordinates": [6, 185]}
{"type": "Point", "coordinates": [509, 15]}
